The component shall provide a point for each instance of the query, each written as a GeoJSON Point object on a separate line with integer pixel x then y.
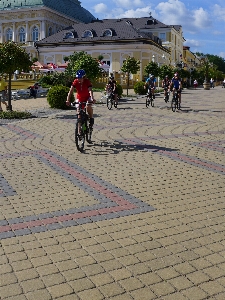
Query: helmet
{"type": "Point", "coordinates": [151, 76]}
{"type": "Point", "coordinates": [80, 74]}
{"type": "Point", "coordinates": [176, 74]}
{"type": "Point", "coordinates": [166, 76]}
{"type": "Point", "coordinates": [111, 77]}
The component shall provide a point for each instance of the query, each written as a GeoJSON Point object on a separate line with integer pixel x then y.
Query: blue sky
{"type": "Point", "coordinates": [203, 21]}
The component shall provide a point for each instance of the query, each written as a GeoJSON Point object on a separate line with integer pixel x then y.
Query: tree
{"type": "Point", "coordinates": [130, 66]}
{"type": "Point", "coordinates": [82, 60]}
{"type": "Point", "coordinates": [13, 57]}
{"type": "Point", "coordinates": [166, 70]}
{"type": "Point", "coordinates": [152, 68]}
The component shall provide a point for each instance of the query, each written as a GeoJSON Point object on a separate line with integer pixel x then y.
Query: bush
{"type": "Point", "coordinates": [15, 115]}
{"type": "Point", "coordinates": [119, 89]}
{"type": "Point", "coordinates": [139, 88]}
{"type": "Point", "coordinates": [57, 97]}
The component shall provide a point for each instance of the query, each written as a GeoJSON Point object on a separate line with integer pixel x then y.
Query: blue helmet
{"type": "Point", "coordinates": [80, 74]}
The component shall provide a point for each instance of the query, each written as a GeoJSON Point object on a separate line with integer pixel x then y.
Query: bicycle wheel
{"type": "Point", "coordinates": [147, 101]}
{"type": "Point", "coordinates": [79, 138]}
{"type": "Point", "coordinates": [173, 105]}
{"type": "Point", "coordinates": [152, 102]}
{"type": "Point", "coordinates": [109, 102]}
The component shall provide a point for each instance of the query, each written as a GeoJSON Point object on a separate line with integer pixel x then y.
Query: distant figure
{"type": "Point", "coordinates": [3, 93]}
{"type": "Point", "coordinates": [212, 83]}
{"type": "Point", "coordinates": [195, 84]}
{"type": "Point", "coordinates": [223, 83]}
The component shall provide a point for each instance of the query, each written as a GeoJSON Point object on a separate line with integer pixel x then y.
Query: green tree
{"type": "Point", "coordinates": [215, 59]}
{"type": "Point", "coordinates": [152, 68]}
{"type": "Point", "coordinates": [82, 60]}
{"type": "Point", "coordinates": [13, 57]}
{"type": "Point", "coordinates": [166, 70]}
{"type": "Point", "coordinates": [130, 66]}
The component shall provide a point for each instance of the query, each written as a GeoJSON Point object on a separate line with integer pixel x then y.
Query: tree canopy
{"type": "Point", "coordinates": [82, 60]}
{"type": "Point", "coordinates": [13, 57]}
{"type": "Point", "coordinates": [130, 66]}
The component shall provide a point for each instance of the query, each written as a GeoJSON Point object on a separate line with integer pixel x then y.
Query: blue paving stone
{"type": "Point", "coordinates": [6, 235]}
{"type": "Point", "coordinates": [45, 216]}
{"type": "Point", "coordinates": [38, 229]}
{"type": "Point", "coordinates": [84, 221]}
{"type": "Point", "coordinates": [69, 223]}
{"type": "Point", "coordinates": [98, 218]}
{"type": "Point", "coordinates": [3, 222]}
{"type": "Point", "coordinates": [54, 226]}
{"type": "Point", "coordinates": [21, 232]}
{"type": "Point", "coordinates": [31, 218]}
{"type": "Point", "coordinates": [72, 210]}
{"type": "Point", "coordinates": [15, 221]}
{"type": "Point", "coordinates": [59, 213]}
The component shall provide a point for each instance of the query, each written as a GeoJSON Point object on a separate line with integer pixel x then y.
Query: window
{"type": "Point", "coordinates": [9, 34]}
{"type": "Point", "coordinates": [35, 34]}
{"type": "Point", "coordinates": [87, 33]}
{"type": "Point", "coordinates": [107, 32]}
{"type": "Point", "coordinates": [21, 35]}
{"type": "Point", "coordinates": [50, 31]}
{"type": "Point", "coordinates": [107, 62]}
{"type": "Point", "coordinates": [162, 37]}
{"type": "Point", "coordinates": [69, 35]}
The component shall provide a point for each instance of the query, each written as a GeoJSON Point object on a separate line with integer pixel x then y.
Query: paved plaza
{"type": "Point", "coordinates": [139, 215]}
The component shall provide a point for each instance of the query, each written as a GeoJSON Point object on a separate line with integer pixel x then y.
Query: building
{"type": "Point", "coordinates": [115, 40]}
{"type": "Point", "coordinates": [28, 21]}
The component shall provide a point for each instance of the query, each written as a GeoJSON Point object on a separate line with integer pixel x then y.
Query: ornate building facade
{"type": "Point", "coordinates": [28, 21]}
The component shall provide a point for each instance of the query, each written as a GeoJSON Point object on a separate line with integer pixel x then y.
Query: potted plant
{"type": "Point", "coordinates": [205, 67]}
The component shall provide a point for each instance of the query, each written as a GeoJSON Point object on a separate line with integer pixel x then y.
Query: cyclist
{"type": "Point", "coordinates": [150, 83]}
{"type": "Point", "coordinates": [166, 85]}
{"type": "Point", "coordinates": [176, 85]}
{"type": "Point", "coordinates": [112, 88]}
{"type": "Point", "coordinates": [83, 87]}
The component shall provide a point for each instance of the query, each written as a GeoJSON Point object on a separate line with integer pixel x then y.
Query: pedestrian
{"type": "Point", "coordinates": [212, 83]}
{"type": "Point", "coordinates": [3, 93]}
{"type": "Point", "coordinates": [223, 83]}
{"type": "Point", "coordinates": [195, 84]}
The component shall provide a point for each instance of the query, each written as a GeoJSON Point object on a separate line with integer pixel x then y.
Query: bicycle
{"type": "Point", "coordinates": [167, 96]}
{"type": "Point", "coordinates": [175, 102]}
{"type": "Point", "coordinates": [83, 129]}
{"type": "Point", "coordinates": [149, 99]}
{"type": "Point", "coordinates": [110, 101]}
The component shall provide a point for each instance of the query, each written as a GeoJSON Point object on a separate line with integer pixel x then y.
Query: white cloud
{"type": "Point", "coordinates": [129, 3]}
{"type": "Point", "coordinates": [219, 12]}
{"type": "Point", "coordinates": [139, 12]}
{"type": "Point", "coordinates": [175, 12]}
{"type": "Point", "coordinates": [100, 8]}
{"type": "Point", "coordinates": [222, 54]}
{"type": "Point", "coordinates": [192, 43]}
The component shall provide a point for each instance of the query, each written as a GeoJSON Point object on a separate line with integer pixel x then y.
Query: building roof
{"type": "Point", "coordinates": [107, 31]}
{"type": "Point", "coordinates": [70, 8]}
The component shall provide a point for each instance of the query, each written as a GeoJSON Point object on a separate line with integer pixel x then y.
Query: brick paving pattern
{"type": "Point", "coordinates": [138, 215]}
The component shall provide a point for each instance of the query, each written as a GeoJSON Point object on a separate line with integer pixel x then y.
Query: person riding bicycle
{"type": "Point", "coordinates": [166, 85]}
{"type": "Point", "coordinates": [111, 87]}
{"type": "Point", "coordinates": [177, 86]}
{"type": "Point", "coordinates": [150, 83]}
{"type": "Point", "coordinates": [83, 87]}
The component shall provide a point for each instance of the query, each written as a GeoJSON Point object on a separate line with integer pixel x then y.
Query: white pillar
{"type": "Point", "coordinates": [14, 35]}
{"type": "Point", "coordinates": [43, 30]}
{"type": "Point", "coordinates": [26, 34]}
{"type": "Point", "coordinates": [1, 33]}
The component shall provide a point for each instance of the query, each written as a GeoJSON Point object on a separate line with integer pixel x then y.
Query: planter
{"type": "Point", "coordinates": [206, 85]}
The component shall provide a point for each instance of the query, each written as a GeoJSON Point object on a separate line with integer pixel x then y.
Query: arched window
{"type": "Point", "coordinates": [87, 33]}
{"type": "Point", "coordinates": [69, 35]}
{"type": "Point", "coordinates": [107, 32]}
{"type": "Point", "coordinates": [9, 34]}
{"type": "Point", "coordinates": [35, 34]}
{"type": "Point", "coordinates": [21, 35]}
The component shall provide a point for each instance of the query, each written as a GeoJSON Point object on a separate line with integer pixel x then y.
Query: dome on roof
{"type": "Point", "coordinates": [70, 8]}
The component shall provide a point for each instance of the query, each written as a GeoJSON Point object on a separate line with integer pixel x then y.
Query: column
{"type": "Point", "coordinates": [1, 33]}
{"type": "Point", "coordinates": [43, 30]}
{"type": "Point", "coordinates": [26, 34]}
{"type": "Point", "coordinates": [14, 35]}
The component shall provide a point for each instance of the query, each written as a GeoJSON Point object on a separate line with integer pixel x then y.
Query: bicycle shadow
{"type": "Point", "coordinates": [116, 147]}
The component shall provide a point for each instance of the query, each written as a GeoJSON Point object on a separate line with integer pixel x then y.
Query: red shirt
{"type": "Point", "coordinates": [82, 89]}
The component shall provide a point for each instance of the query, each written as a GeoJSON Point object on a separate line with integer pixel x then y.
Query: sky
{"type": "Point", "coordinates": [202, 21]}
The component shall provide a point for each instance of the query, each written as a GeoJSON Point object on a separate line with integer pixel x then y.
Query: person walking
{"type": "Point", "coordinates": [195, 84]}
{"type": "Point", "coordinates": [212, 83]}
{"type": "Point", "coordinates": [3, 93]}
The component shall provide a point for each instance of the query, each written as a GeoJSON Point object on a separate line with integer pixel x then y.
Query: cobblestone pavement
{"type": "Point", "coordinates": [138, 215]}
